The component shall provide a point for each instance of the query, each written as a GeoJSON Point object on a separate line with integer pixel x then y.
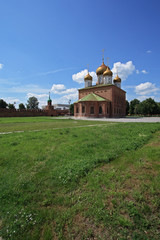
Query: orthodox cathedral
{"type": "Point", "coordinates": [105, 99]}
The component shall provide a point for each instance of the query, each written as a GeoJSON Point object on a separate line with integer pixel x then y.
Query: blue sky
{"type": "Point", "coordinates": [45, 45]}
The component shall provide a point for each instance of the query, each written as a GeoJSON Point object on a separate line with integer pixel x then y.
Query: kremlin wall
{"type": "Point", "coordinates": [48, 111]}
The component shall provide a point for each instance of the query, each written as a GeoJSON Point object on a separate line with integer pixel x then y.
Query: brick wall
{"type": "Point", "coordinates": [31, 113]}
{"type": "Point", "coordinates": [111, 92]}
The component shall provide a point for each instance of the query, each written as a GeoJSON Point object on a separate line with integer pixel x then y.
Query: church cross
{"type": "Point", "coordinates": [107, 61]}
{"type": "Point", "coordinates": [103, 55]}
{"type": "Point", "coordinates": [88, 67]}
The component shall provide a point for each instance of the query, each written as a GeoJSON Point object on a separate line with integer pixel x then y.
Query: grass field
{"type": "Point", "coordinates": [76, 181]}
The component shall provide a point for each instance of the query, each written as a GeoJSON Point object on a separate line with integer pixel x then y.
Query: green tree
{"type": "Point", "coordinates": [127, 107]}
{"type": "Point", "coordinates": [3, 104]}
{"type": "Point", "coordinates": [133, 106]}
{"type": "Point", "coordinates": [11, 106]}
{"type": "Point", "coordinates": [21, 106]}
{"type": "Point", "coordinates": [149, 106]}
{"type": "Point", "coordinates": [32, 103]}
{"type": "Point", "coordinates": [72, 109]}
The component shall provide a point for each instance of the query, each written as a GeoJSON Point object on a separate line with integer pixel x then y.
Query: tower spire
{"type": "Point", "coordinates": [49, 96]}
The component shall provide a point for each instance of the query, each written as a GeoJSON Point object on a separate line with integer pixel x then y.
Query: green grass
{"type": "Point", "coordinates": [98, 182]}
{"type": "Point", "coordinates": [40, 123]}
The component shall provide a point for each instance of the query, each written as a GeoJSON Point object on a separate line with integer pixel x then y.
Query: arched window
{"type": "Point", "coordinates": [83, 109]}
{"type": "Point", "coordinates": [100, 110]}
{"type": "Point", "coordinates": [77, 110]}
{"type": "Point", "coordinates": [92, 110]}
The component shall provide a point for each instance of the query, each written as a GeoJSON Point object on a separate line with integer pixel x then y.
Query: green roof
{"type": "Point", "coordinates": [92, 97]}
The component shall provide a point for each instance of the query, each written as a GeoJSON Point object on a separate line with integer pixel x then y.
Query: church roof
{"type": "Point", "coordinates": [92, 97]}
{"type": "Point", "coordinates": [100, 86]}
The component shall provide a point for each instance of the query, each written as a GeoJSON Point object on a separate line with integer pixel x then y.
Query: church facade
{"type": "Point", "coordinates": [105, 99]}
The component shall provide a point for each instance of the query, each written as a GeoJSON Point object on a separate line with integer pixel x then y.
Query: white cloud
{"type": "Point", "coordinates": [144, 97]}
{"type": "Point", "coordinates": [146, 88]}
{"type": "Point", "coordinates": [144, 71]}
{"type": "Point", "coordinates": [1, 65]}
{"type": "Point", "coordinates": [61, 89]}
{"type": "Point", "coordinates": [67, 94]}
{"type": "Point", "coordinates": [79, 77]}
{"type": "Point", "coordinates": [11, 100]}
{"type": "Point", "coordinates": [57, 88]}
{"type": "Point", "coordinates": [72, 97]}
{"type": "Point", "coordinates": [124, 69]}
{"type": "Point", "coordinates": [149, 51]}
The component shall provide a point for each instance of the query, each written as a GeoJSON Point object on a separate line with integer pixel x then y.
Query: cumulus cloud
{"type": "Point", "coordinates": [57, 88]}
{"type": "Point", "coordinates": [61, 89]}
{"type": "Point", "coordinates": [149, 51]}
{"type": "Point", "coordinates": [79, 77]}
{"type": "Point", "coordinates": [1, 65]}
{"type": "Point", "coordinates": [72, 97]}
{"type": "Point", "coordinates": [146, 88]}
{"type": "Point", "coordinates": [124, 69]}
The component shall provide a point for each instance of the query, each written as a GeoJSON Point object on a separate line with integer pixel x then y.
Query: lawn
{"type": "Point", "coordinates": [89, 182]}
{"type": "Point", "coordinates": [40, 123]}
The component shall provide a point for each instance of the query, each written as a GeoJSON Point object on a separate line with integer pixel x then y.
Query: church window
{"type": "Point", "coordinates": [100, 110]}
{"type": "Point", "coordinates": [83, 109]}
{"type": "Point", "coordinates": [77, 110]}
{"type": "Point", "coordinates": [92, 110]}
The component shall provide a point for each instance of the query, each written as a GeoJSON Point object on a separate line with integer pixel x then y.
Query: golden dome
{"type": "Point", "coordinates": [100, 70]}
{"type": "Point", "coordinates": [117, 79]}
{"type": "Point", "coordinates": [108, 72]}
{"type": "Point", "coordinates": [88, 77]}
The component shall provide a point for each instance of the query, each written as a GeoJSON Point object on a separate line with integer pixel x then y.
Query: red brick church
{"type": "Point", "coordinates": [105, 99]}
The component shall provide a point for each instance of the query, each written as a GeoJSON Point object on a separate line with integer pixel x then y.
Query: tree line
{"type": "Point", "coordinates": [32, 103]}
{"type": "Point", "coordinates": [146, 107]}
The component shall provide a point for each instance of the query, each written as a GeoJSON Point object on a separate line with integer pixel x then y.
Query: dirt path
{"type": "Point", "coordinates": [92, 125]}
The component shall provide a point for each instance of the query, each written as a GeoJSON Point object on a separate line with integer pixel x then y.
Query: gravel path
{"type": "Point", "coordinates": [130, 119]}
